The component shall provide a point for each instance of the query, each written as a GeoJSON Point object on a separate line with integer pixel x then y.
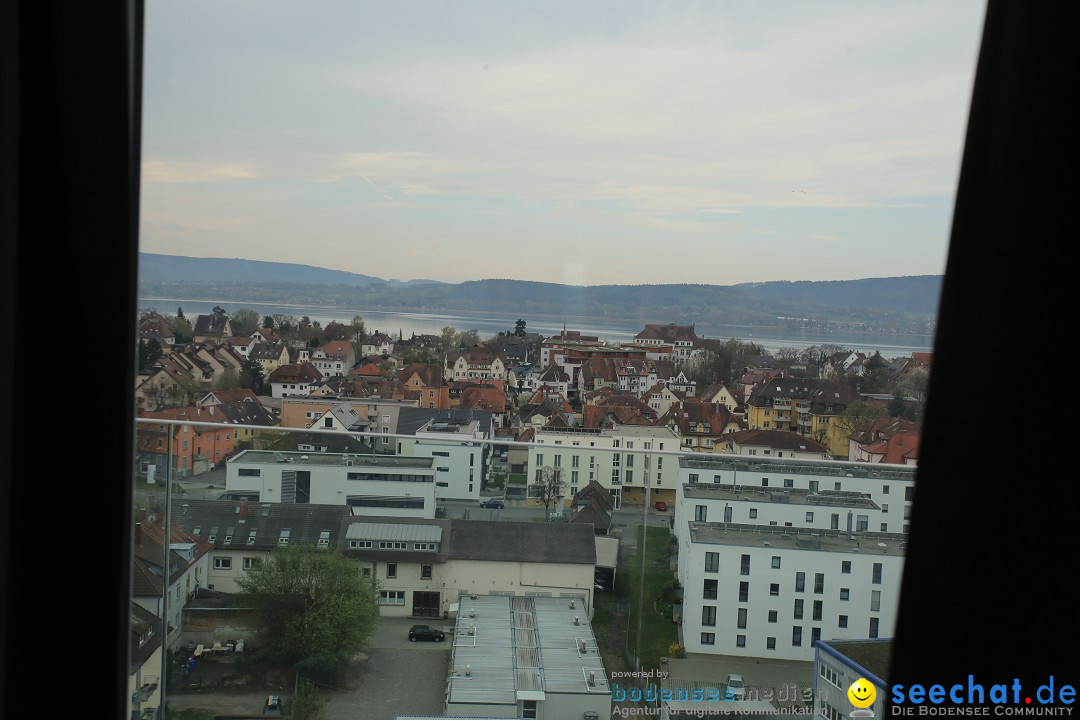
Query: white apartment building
{"type": "Point", "coordinates": [777, 554]}
{"type": "Point", "coordinates": [371, 484]}
{"type": "Point", "coordinates": [890, 487]}
{"type": "Point", "coordinates": [459, 462]}
{"type": "Point", "coordinates": [772, 592]}
{"type": "Point", "coordinates": [838, 664]}
{"type": "Point", "coordinates": [620, 459]}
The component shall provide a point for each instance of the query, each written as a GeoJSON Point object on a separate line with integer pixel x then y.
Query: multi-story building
{"type": "Point", "coordinates": [375, 484]}
{"type": "Point", "coordinates": [757, 591]}
{"type": "Point", "coordinates": [772, 443]}
{"type": "Point", "coordinates": [681, 337]}
{"type": "Point", "coordinates": [776, 554]}
{"type": "Point", "coordinates": [808, 407]}
{"type": "Point", "coordinates": [423, 566]}
{"type": "Point", "coordinates": [333, 358]}
{"type": "Point", "coordinates": [460, 463]}
{"type": "Point", "coordinates": [475, 363]}
{"type": "Point", "coordinates": [620, 459]}
{"type": "Point", "coordinates": [295, 379]}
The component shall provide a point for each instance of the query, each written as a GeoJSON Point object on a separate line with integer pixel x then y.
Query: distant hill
{"type": "Point", "coordinates": [167, 268]}
{"type": "Point", "coordinates": [902, 304]}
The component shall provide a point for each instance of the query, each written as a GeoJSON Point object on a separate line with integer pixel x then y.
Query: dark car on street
{"type": "Point", "coordinates": [492, 503]}
{"type": "Point", "coordinates": [425, 632]}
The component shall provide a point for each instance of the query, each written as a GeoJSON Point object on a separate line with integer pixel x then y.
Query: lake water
{"type": "Point", "coordinates": [488, 324]}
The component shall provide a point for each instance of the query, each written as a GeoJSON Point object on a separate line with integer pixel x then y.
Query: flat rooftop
{"type": "Point", "coordinates": [271, 457]}
{"type": "Point", "coordinates": [872, 655]}
{"type": "Point", "coordinates": [791, 496]}
{"type": "Point", "coordinates": [508, 649]}
{"type": "Point", "coordinates": [663, 432]}
{"type": "Point", "coordinates": [832, 468]}
{"type": "Point", "coordinates": [864, 543]}
{"type": "Point", "coordinates": [453, 426]}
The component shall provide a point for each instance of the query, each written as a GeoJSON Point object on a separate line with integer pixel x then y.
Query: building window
{"type": "Point", "coordinates": [815, 635]}
{"type": "Point", "coordinates": [776, 562]}
{"type": "Point", "coordinates": [744, 591]}
{"type": "Point", "coordinates": [770, 643]}
{"type": "Point", "coordinates": [873, 627]}
{"type": "Point", "coordinates": [250, 562]}
{"type": "Point", "coordinates": [800, 581]}
{"type": "Point", "coordinates": [774, 589]}
{"type": "Point", "coordinates": [841, 621]}
{"type": "Point", "coordinates": [835, 523]}
{"type": "Point", "coordinates": [909, 494]}
{"type": "Point", "coordinates": [712, 562]}
{"type": "Point", "coordinates": [845, 593]}
{"type": "Point", "coordinates": [425, 572]}
{"type": "Point", "coordinates": [742, 618]}
{"type": "Point", "coordinates": [223, 563]}
{"type": "Point", "coordinates": [392, 597]}
{"type": "Point", "coordinates": [391, 569]}
{"type": "Point", "coordinates": [710, 589]}
{"type": "Point", "coordinates": [772, 616]}
{"type": "Point", "coordinates": [884, 527]}
{"type": "Point", "coordinates": [765, 482]}
{"type": "Point", "coordinates": [708, 638]}
{"type": "Point", "coordinates": [845, 567]}
{"type": "Point", "coordinates": [789, 483]}
{"type": "Point", "coordinates": [798, 609]}
{"type": "Point", "coordinates": [740, 641]}
{"type": "Point", "coordinates": [819, 583]}
{"type": "Point", "coordinates": [884, 507]}
{"type": "Point", "coordinates": [862, 523]}
{"type": "Point", "coordinates": [708, 615]}
{"type": "Point", "coordinates": [877, 573]}
{"type": "Point", "coordinates": [817, 609]}
{"type": "Point", "coordinates": [753, 513]}
{"type": "Point", "coordinates": [836, 485]}
{"type": "Point", "coordinates": [744, 568]}
{"type": "Point", "coordinates": [693, 476]}
{"type": "Point", "coordinates": [814, 485]}
{"type": "Point", "coordinates": [809, 517]}
{"type": "Point", "coordinates": [796, 636]}
{"type": "Point", "coordinates": [875, 600]}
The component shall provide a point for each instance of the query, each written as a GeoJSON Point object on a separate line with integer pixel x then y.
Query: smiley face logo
{"type": "Point", "coordinates": [862, 693]}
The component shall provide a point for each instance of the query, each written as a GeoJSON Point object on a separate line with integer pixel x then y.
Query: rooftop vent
{"type": "Point", "coordinates": [592, 678]}
{"type": "Point", "coordinates": [468, 670]}
{"type": "Point", "coordinates": [577, 620]}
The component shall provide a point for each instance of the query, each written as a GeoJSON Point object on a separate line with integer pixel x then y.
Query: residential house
{"type": "Point", "coordinates": [239, 406]}
{"type": "Point", "coordinates": [681, 337]}
{"type": "Point", "coordinates": [144, 663]}
{"type": "Point", "coordinates": [553, 378]}
{"type": "Point", "coordinates": [660, 398]}
{"type": "Point", "coordinates": [428, 383]}
{"type": "Point", "coordinates": [700, 425]}
{"type": "Point", "coordinates": [752, 379]}
{"type": "Point", "coordinates": [240, 534]}
{"type": "Point", "coordinates": [189, 564]}
{"type": "Point", "coordinates": [808, 407]}
{"type": "Point", "coordinates": [154, 327]}
{"type": "Point", "coordinates": [270, 356]}
{"type": "Point", "coordinates": [214, 327]}
{"type": "Point", "coordinates": [333, 358]}
{"type": "Point", "coordinates": [719, 393]}
{"type": "Point", "coordinates": [475, 363]}
{"type": "Point", "coordinates": [293, 379]}
{"type": "Point", "coordinates": [490, 398]}
{"type": "Point", "coordinates": [196, 448]}
{"type": "Point", "coordinates": [377, 344]}
{"type": "Point", "coordinates": [772, 443]}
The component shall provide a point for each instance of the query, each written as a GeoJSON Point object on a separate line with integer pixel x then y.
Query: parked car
{"type": "Point", "coordinates": [272, 706]}
{"type": "Point", "coordinates": [734, 688]}
{"type": "Point", "coordinates": [661, 506]}
{"type": "Point", "coordinates": [425, 632]}
{"type": "Point", "coordinates": [492, 503]}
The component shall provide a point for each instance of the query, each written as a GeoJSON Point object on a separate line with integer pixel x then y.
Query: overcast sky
{"type": "Point", "coordinates": [586, 142]}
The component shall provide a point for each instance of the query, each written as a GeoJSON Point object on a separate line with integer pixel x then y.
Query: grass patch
{"type": "Point", "coordinates": [516, 479]}
{"type": "Point", "coordinates": [658, 630]}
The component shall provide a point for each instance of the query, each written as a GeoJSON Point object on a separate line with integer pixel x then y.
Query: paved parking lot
{"type": "Point", "coordinates": [395, 677]}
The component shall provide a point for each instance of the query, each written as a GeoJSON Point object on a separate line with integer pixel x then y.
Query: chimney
{"type": "Point", "coordinates": [243, 509]}
{"type": "Point", "coordinates": [138, 530]}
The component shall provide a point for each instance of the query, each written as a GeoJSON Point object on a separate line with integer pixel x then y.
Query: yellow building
{"type": "Point", "coordinates": [807, 407]}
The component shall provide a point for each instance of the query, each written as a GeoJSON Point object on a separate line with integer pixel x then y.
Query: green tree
{"type": "Point", "coordinates": [180, 313]}
{"type": "Point", "coordinates": [312, 607]}
{"type": "Point", "coordinates": [449, 339]}
{"type": "Point", "coordinates": [267, 322]}
{"type": "Point", "coordinates": [357, 335]}
{"type": "Point", "coordinates": [856, 416]}
{"type": "Point", "coordinates": [251, 376]}
{"type": "Point", "coordinates": [149, 351]}
{"type": "Point", "coordinates": [228, 380]}
{"type": "Point", "coordinates": [896, 406]}
{"type": "Point", "coordinates": [244, 322]}
{"type": "Point", "coordinates": [549, 488]}
{"type": "Point", "coordinates": [519, 328]}
{"type": "Point", "coordinates": [308, 704]}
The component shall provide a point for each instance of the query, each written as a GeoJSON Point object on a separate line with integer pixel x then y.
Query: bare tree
{"type": "Point", "coordinates": [549, 487]}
